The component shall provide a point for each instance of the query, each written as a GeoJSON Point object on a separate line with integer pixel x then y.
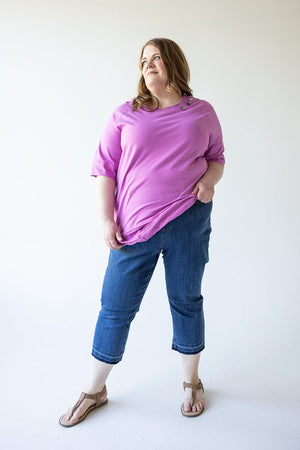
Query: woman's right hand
{"type": "Point", "coordinates": [112, 235]}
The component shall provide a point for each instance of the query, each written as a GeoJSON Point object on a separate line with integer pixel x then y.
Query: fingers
{"type": "Point", "coordinates": [118, 236]}
{"type": "Point", "coordinates": [113, 241]}
{"type": "Point", "coordinates": [204, 198]}
{"type": "Point", "coordinates": [203, 195]}
{"type": "Point", "coordinates": [195, 190]}
{"type": "Point", "coordinates": [112, 235]}
{"type": "Point", "coordinates": [113, 244]}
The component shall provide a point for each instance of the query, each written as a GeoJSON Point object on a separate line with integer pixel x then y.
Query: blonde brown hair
{"type": "Point", "coordinates": [178, 73]}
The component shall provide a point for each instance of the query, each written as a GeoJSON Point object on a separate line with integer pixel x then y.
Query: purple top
{"type": "Point", "coordinates": [156, 158]}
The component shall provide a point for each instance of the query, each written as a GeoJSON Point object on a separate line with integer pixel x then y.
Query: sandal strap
{"type": "Point", "coordinates": [83, 395]}
{"type": "Point", "coordinates": [193, 386]}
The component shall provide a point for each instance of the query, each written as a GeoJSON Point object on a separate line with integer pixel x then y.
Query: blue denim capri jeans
{"type": "Point", "coordinates": [183, 243]}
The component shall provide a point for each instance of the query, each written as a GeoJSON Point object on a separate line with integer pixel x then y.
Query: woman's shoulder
{"type": "Point", "coordinates": [205, 107]}
{"type": "Point", "coordinates": [203, 103]}
{"type": "Point", "coordinates": [125, 107]}
{"type": "Point", "coordinates": [121, 110]}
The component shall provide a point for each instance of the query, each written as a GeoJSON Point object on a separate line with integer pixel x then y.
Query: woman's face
{"type": "Point", "coordinates": [153, 70]}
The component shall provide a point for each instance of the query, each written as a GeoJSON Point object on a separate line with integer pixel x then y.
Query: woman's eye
{"type": "Point", "coordinates": [154, 58]}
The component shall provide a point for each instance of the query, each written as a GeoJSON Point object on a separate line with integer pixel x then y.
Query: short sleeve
{"type": "Point", "coordinates": [108, 154]}
{"type": "Point", "coordinates": [215, 150]}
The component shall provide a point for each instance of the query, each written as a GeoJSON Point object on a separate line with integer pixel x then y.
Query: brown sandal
{"type": "Point", "coordinates": [98, 397]}
{"type": "Point", "coordinates": [194, 388]}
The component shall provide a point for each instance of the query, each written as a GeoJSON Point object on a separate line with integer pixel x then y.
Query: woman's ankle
{"type": "Point", "coordinates": [94, 389]}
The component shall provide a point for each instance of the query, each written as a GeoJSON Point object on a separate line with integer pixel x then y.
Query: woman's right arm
{"type": "Point", "coordinates": [105, 199]}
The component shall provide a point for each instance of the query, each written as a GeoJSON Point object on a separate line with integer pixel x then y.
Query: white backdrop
{"type": "Point", "coordinates": [65, 65]}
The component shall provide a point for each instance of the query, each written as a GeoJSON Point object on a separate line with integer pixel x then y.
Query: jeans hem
{"type": "Point", "coordinates": [188, 350]}
{"type": "Point", "coordinates": [105, 358]}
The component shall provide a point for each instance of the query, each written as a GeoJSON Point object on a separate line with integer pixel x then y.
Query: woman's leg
{"type": "Point", "coordinates": [185, 255]}
{"type": "Point", "coordinates": [126, 279]}
{"type": "Point", "coordinates": [99, 372]}
{"type": "Point", "coordinates": [190, 364]}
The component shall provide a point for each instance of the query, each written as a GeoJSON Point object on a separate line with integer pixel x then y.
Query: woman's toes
{"type": "Point", "coordinates": [187, 407]}
{"type": "Point", "coordinates": [80, 411]}
{"type": "Point", "coordinates": [69, 414]}
{"type": "Point", "coordinates": [76, 415]}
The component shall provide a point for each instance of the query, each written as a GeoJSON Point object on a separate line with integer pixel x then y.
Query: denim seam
{"type": "Point", "coordinates": [103, 355]}
{"type": "Point", "coordinates": [188, 350]}
{"type": "Point", "coordinates": [186, 346]}
{"type": "Point", "coordinates": [163, 238]}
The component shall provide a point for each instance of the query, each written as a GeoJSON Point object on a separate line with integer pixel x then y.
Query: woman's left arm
{"type": "Point", "coordinates": [205, 187]}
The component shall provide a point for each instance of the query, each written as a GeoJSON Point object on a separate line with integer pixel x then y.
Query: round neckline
{"type": "Point", "coordinates": [184, 98]}
{"type": "Point", "coordinates": [172, 106]}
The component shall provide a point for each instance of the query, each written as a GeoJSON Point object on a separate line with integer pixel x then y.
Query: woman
{"type": "Point", "coordinates": [158, 161]}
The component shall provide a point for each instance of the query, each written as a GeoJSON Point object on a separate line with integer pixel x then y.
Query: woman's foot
{"type": "Point", "coordinates": [83, 407]}
{"type": "Point", "coordinates": [193, 405]}
{"type": "Point", "coordinates": [194, 398]}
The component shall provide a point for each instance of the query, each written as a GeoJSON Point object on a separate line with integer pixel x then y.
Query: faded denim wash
{"type": "Point", "coordinates": [183, 243]}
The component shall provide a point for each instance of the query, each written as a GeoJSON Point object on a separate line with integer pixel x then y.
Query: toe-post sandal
{"type": "Point", "coordinates": [98, 397]}
{"type": "Point", "coordinates": [194, 388]}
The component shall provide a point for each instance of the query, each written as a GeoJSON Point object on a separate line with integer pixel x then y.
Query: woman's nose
{"type": "Point", "coordinates": [149, 63]}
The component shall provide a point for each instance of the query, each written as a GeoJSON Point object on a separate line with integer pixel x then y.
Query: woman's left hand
{"type": "Point", "coordinates": [205, 186]}
{"type": "Point", "coordinates": [204, 191]}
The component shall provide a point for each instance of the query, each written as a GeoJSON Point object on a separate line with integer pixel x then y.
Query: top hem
{"type": "Point", "coordinates": [157, 222]}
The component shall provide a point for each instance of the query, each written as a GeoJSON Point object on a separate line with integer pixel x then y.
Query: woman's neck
{"type": "Point", "coordinates": [167, 98]}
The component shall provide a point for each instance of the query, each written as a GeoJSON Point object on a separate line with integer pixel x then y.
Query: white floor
{"type": "Point", "coordinates": [252, 397]}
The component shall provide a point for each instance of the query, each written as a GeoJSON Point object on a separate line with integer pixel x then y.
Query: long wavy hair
{"type": "Point", "coordinates": [177, 69]}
